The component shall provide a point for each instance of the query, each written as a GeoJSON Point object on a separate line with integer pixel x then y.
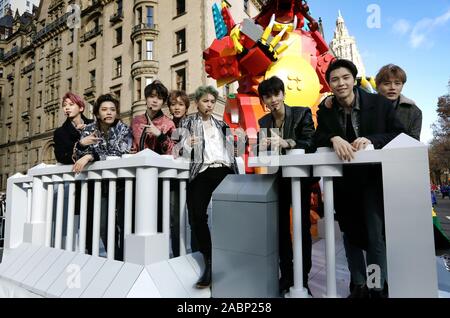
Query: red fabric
{"type": "Point", "coordinates": [162, 145]}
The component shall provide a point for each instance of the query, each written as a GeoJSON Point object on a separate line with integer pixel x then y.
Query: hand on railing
{"type": "Point", "coordinates": [81, 163]}
{"type": "Point", "coordinates": [344, 150]}
{"type": "Point", "coordinates": [361, 143]}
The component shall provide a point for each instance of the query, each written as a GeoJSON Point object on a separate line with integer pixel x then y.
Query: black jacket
{"type": "Point", "coordinates": [298, 126]}
{"type": "Point", "coordinates": [379, 124]}
{"type": "Point", "coordinates": [378, 121]}
{"type": "Point", "coordinates": [65, 138]}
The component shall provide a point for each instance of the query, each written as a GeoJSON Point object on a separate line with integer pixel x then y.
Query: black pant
{"type": "Point", "coordinates": [284, 225]}
{"type": "Point", "coordinates": [199, 192]}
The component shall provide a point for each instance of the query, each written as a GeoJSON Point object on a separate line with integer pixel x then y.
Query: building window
{"type": "Point", "coordinates": [1, 72]}
{"type": "Point", "coordinates": [139, 15]}
{"type": "Point", "coordinates": [180, 79]}
{"type": "Point", "coordinates": [181, 7]}
{"type": "Point", "coordinates": [27, 130]}
{"type": "Point", "coordinates": [25, 154]}
{"type": "Point", "coordinates": [149, 50]}
{"type": "Point", "coordinates": [139, 50]}
{"type": "Point", "coordinates": [117, 94]}
{"type": "Point", "coordinates": [92, 51]}
{"type": "Point", "coordinates": [70, 60]}
{"type": "Point", "coordinates": [138, 89]}
{"type": "Point", "coordinates": [38, 124]}
{"type": "Point", "coordinates": [53, 66]}
{"type": "Point", "coordinates": [118, 69]}
{"type": "Point", "coordinates": [28, 104]}
{"type": "Point", "coordinates": [39, 98]}
{"type": "Point", "coordinates": [92, 78]}
{"type": "Point", "coordinates": [71, 35]}
{"type": "Point", "coordinates": [55, 42]}
{"type": "Point", "coordinates": [69, 84]}
{"type": "Point", "coordinates": [41, 74]}
{"type": "Point", "coordinates": [150, 16]}
{"type": "Point", "coordinates": [11, 89]}
{"type": "Point", "coordinates": [8, 138]}
{"type": "Point", "coordinates": [52, 92]}
{"type": "Point", "coordinates": [181, 40]}
{"type": "Point", "coordinates": [119, 36]}
{"type": "Point", "coordinates": [11, 109]}
{"type": "Point", "coordinates": [29, 82]}
{"type": "Point", "coordinates": [119, 6]}
{"type": "Point", "coordinates": [37, 155]}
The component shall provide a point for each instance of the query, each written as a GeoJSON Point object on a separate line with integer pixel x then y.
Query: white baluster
{"type": "Point", "coordinates": [297, 291]}
{"type": "Point", "coordinates": [330, 248]}
{"type": "Point", "coordinates": [183, 214]}
{"type": "Point", "coordinates": [128, 206]}
{"type": "Point", "coordinates": [327, 172]}
{"type": "Point", "coordinates": [29, 203]}
{"type": "Point", "coordinates": [111, 219]}
{"type": "Point", "coordinates": [146, 221]}
{"type": "Point", "coordinates": [59, 215]}
{"type": "Point", "coordinates": [83, 216]}
{"type": "Point", "coordinates": [70, 217]}
{"type": "Point", "coordinates": [49, 215]}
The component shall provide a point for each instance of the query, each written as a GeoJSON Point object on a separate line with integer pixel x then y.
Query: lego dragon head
{"type": "Point", "coordinates": [286, 12]}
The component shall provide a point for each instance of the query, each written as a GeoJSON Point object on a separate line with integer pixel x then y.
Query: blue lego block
{"type": "Point", "coordinates": [219, 23]}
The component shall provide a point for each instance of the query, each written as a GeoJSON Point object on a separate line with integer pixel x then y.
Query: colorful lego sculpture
{"type": "Point", "coordinates": [275, 42]}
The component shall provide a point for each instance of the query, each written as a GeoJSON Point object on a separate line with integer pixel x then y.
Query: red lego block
{"type": "Point", "coordinates": [223, 47]}
{"type": "Point", "coordinates": [255, 62]}
{"type": "Point", "coordinates": [228, 19]}
{"type": "Point", "coordinates": [323, 61]}
{"type": "Point", "coordinates": [222, 67]}
{"type": "Point", "coordinates": [247, 42]}
{"type": "Point", "coordinates": [322, 46]}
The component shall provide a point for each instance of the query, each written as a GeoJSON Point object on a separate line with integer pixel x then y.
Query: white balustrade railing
{"type": "Point", "coordinates": [407, 207]}
{"type": "Point", "coordinates": [31, 204]}
{"type": "Point", "coordinates": [407, 210]}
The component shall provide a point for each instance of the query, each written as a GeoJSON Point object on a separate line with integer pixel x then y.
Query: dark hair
{"type": "Point", "coordinates": [75, 99]}
{"type": "Point", "coordinates": [390, 70]}
{"type": "Point", "coordinates": [161, 91]}
{"type": "Point", "coordinates": [203, 90]}
{"type": "Point", "coordinates": [271, 86]}
{"type": "Point", "coordinates": [181, 94]}
{"type": "Point", "coordinates": [341, 63]}
{"type": "Point", "coordinates": [106, 98]}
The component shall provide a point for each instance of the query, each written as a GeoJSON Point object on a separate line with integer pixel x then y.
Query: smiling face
{"type": "Point", "coordinates": [391, 88]}
{"type": "Point", "coordinates": [154, 102]}
{"type": "Point", "coordinates": [342, 83]}
{"type": "Point", "coordinates": [275, 102]}
{"type": "Point", "coordinates": [206, 105]}
{"type": "Point", "coordinates": [107, 113]}
{"type": "Point", "coordinates": [71, 109]}
{"type": "Point", "coordinates": [177, 108]}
